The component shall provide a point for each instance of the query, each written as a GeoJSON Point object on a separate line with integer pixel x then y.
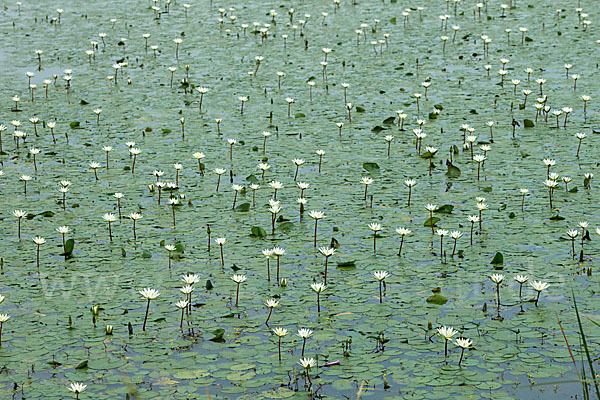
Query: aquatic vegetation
{"type": "Point", "coordinates": [195, 131]}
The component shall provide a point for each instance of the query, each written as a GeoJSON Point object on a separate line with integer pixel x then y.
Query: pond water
{"type": "Point", "coordinates": [388, 349]}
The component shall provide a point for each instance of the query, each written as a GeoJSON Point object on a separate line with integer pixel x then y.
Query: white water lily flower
{"type": "Point", "coordinates": [447, 332]}
{"type": "Point", "coordinates": [381, 275]}
{"type": "Point", "coordinates": [77, 387]}
{"type": "Point", "coordinates": [318, 287]}
{"type": "Point", "coordinates": [307, 363]}
{"type": "Point", "coordinates": [281, 332]}
{"type": "Point", "coordinates": [463, 343]}
{"type": "Point", "coordinates": [539, 286]}
{"type": "Point", "coordinates": [239, 278]}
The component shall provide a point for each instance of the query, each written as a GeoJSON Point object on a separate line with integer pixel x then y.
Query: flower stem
{"type": "Point", "coordinates": [446, 349]}
{"type": "Point", "coordinates": [268, 270]}
{"type": "Point", "coordinates": [498, 296]}
{"type": "Point", "coordinates": [269, 317]}
{"type": "Point", "coordinates": [279, 348]}
{"type": "Point", "coordinates": [277, 269]}
{"type": "Point", "coordinates": [318, 303]}
{"type": "Point", "coordinates": [146, 317]}
{"type": "Point", "coordinates": [461, 357]}
{"type": "Point", "coordinates": [374, 242]}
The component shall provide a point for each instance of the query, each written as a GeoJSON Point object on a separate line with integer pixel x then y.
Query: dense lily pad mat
{"type": "Point", "coordinates": [385, 350]}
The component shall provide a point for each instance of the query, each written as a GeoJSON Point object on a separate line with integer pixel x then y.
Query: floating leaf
{"type": "Point", "coordinates": [241, 375]}
{"type": "Point", "coordinates": [429, 222]}
{"type": "Point", "coordinates": [69, 246]}
{"type": "Point", "coordinates": [527, 123]}
{"type": "Point", "coordinates": [218, 335]}
{"type": "Point", "coordinates": [74, 125]}
{"type": "Point", "coordinates": [242, 367]}
{"type": "Point", "coordinates": [244, 207]}
{"type": "Point", "coordinates": [453, 171]}
{"type": "Point", "coordinates": [257, 231]}
{"type": "Point", "coordinates": [377, 129]}
{"type": "Point", "coordinates": [82, 365]}
{"type": "Point", "coordinates": [437, 299]}
{"type": "Point", "coordinates": [191, 374]}
{"type": "Point", "coordinates": [360, 109]}
{"type": "Point", "coordinates": [498, 259]}
{"type": "Point", "coordinates": [179, 247]}
{"type": "Point", "coordinates": [252, 179]}
{"type": "Point", "coordinates": [445, 209]}
{"type": "Point", "coordinates": [286, 226]}
{"type": "Point", "coordinates": [280, 393]}
{"type": "Point", "coordinates": [371, 167]}
{"type": "Point", "coordinates": [347, 264]}
{"type": "Point", "coordinates": [299, 115]}
{"type": "Point", "coordinates": [389, 121]}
